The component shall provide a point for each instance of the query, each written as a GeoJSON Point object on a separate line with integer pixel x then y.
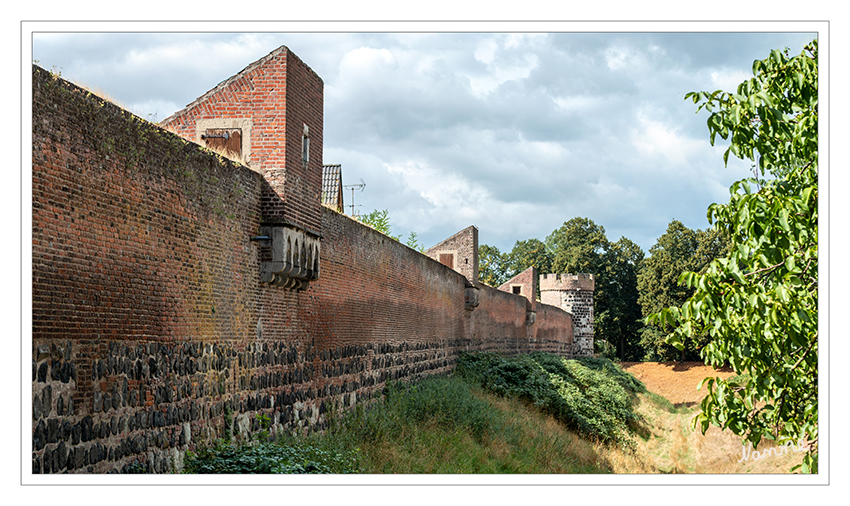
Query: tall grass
{"type": "Point", "coordinates": [450, 425]}
{"type": "Point", "coordinates": [531, 414]}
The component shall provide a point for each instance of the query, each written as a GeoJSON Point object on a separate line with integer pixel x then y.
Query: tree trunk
{"type": "Point", "coordinates": [622, 348]}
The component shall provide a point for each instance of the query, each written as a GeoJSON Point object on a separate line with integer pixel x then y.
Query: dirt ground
{"type": "Point", "coordinates": [676, 381]}
{"type": "Point", "coordinates": [669, 443]}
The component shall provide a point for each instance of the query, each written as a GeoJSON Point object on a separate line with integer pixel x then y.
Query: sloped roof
{"type": "Point", "coordinates": [332, 186]}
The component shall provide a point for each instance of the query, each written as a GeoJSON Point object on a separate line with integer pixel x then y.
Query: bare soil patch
{"type": "Point", "coordinates": [675, 381]}
{"type": "Point", "coordinates": [668, 442]}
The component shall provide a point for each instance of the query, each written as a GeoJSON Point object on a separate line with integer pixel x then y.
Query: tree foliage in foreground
{"type": "Point", "coordinates": [759, 305]}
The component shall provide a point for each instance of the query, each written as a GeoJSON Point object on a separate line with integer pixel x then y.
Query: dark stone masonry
{"type": "Point", "coordinates": [178, 294]}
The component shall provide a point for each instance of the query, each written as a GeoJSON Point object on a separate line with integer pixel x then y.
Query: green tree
{"type": "Point", "coordinates": [492, 266]}
{"type": "Point", "coordinates": [413, 242]}
{"type": "Point", "coordinates": [577, 246]}
{"type": "Point", "coordinates": [678, 250]}
{"type": "Point", "coordinates": [528, 253]}
{"type": "Point", "coordinates": [580, 246]}
{"type": "Point", "coordinates": [759, 305]}
{"type": "Point", "coordinates": [380, 221]}
{"type": "Point", "coordinates": [625, 259]}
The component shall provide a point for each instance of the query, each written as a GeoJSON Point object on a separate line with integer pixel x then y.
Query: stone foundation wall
{"type": "Point", "coordinates": [151, 330]}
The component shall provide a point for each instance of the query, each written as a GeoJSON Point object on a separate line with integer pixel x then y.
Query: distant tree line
{"type": "Point", "coordinates": [629, 285]}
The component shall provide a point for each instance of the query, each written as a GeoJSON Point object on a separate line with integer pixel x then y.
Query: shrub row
{"type": "Point", "coordinates": [590, 395]}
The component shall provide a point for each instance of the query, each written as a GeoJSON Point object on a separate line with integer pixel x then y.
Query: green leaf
{"type": "Point", "coordinates": [765, 318]}
{"type": "Point", "coordinates": [783, 220]}
{"type": "Point", "coordinates": [790, 264]}
{"type": "Point", "coordinates": [737, 277]}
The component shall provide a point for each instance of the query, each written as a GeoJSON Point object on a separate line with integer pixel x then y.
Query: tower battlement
{"type": "Point", "coordinates": [574, 294]}
{"type": "Point", "coordinates": [549, 282]}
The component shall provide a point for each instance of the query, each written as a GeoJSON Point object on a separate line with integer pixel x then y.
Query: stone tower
{"type": "Point", "coordinates": [574, 294]}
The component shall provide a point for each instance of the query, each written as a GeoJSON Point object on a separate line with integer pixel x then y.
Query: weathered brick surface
{"type": "Point", "coordinates": [144, 283]}
{"type": "Point", "coordinates": [278, 95]}
{"type": "Point", "coordinates": [526, 281]}
{"type": "Point", "coordinates": [151, 331]}
{"type": "Point", "coordinates": [464, 247]}
{"type": "Point", "coordinates": [554, 328]}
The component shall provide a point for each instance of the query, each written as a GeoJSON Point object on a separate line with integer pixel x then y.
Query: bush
{"type": "Point", "coordinates": [590, 395]}
{"type": "Point", "coordinates": [281, 457]}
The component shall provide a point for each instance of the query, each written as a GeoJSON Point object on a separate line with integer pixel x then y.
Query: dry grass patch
{"type": "Point", "coordinates": [670, 443]}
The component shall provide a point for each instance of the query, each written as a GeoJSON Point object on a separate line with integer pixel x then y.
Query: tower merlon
{"type": "Point", "coordinates": [550, 282]}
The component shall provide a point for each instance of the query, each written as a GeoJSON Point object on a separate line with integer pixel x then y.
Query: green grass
{"type": "Point", "coordinates": [592, 396]}
{"type": "Point", "coordinates": [535, 413]}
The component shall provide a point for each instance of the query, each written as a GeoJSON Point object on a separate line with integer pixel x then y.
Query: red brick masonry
{"type": "Point", "coordinates": [150, 330]}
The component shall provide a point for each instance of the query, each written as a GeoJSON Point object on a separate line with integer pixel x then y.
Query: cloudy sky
{"type": "Point", "coordinates": [515, 133]}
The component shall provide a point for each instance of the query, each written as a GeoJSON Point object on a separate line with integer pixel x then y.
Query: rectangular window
{"type": "Point", "coordinates": [305, 146]}
{"type": "Point", "coordinates": [447, 259]}
{"type": "Point", "coordinates": [516, 289]}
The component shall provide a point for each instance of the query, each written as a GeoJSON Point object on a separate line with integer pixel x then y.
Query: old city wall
{"type": "Point", "coordinates": [143, 284]}
{"type": "Point", "coordinates": [150, 330]}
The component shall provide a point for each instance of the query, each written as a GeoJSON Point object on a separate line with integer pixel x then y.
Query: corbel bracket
{"type": "Point", "coordinates": [294, 257]}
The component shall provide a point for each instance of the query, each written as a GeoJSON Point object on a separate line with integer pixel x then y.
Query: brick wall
{"type": "Point", "coordinates": [463, 247]}
{"type": "Point", "coordinates": [525, 284]}
{"type": "Point", "coordinates": [151, 332]}
{"type": "Point", "coordinates": [278, 95]}
{"type": "Point", "coordinates": [143, 280]}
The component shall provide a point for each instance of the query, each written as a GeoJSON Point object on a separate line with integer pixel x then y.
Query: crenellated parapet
{"type": "Point", "coordinates": [572, 293]}
{"type": "Point", "coordinates": [567, 282]}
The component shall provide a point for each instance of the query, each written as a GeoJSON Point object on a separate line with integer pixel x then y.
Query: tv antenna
{"type": "Point", "coordinates": [353, 187]}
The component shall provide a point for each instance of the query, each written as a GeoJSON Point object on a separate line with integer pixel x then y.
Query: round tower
{"type": "Point", "coordinates": [574, 294]}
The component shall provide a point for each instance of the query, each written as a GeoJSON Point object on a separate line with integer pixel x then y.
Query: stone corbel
{"type": "Point", "coordinates": [470, 297]}
{"type": "Point", "coordinates": [295, 257]}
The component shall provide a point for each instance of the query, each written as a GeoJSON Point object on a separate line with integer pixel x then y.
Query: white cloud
{"type": "Point", "coordinates": [728, 80]}
{"type": "Point", "coordinates": [486, 51]}
{"type": "Point", "coordinates": [498, 74]}
{"type": "Point", "coordinates": [443, 190]}
{"type": "Point", "coordinates": [517, 39]}
{"type": "Point", "coordinates": [365, 62]}
{"type": "Point", "coordinates": [618, 58]}
{"type": "Point", "coordinates": [655, 139]}
{"type": "Point", "coordinates": [577, 103]}
{"type": "Point", "coordinates": [537, 153]}
{"type": "Point", "coordinates": [241, 50]}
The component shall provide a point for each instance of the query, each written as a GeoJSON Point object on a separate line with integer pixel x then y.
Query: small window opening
{"type": "Point", "coordinates": [516, 290]}
{"type": "Point", "coordinates": [305, 145]}
{"type": "Point", "coordinates": [447, 259]}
